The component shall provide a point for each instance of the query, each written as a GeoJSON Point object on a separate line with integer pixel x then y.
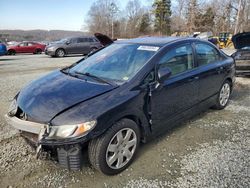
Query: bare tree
{"type": "Point", "coordinates": [134, 14]}
{"type": "Point", "coordinates": [101, 16]}
{"type": "Point", "coordinates": [192, 10]}
{"type": "Point", "coordinates": [178, 21]}
{"type": "Point", "coordinates": [187, 17]}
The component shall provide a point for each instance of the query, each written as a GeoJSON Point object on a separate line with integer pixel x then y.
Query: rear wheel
{"type": "Point", "coordinates": [115, 150]}
{"type": "Point", "coordinates": [38, 51]}
{"type": "Point", "coordinates": [60, 53]}
{"type": "Point", "coordinates": [223, 96]}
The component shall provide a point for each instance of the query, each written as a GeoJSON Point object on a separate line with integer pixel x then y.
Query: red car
{"type": "Point", "coordinates": [26, 47]}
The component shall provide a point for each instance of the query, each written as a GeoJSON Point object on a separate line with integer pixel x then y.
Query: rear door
{"type": "Point", "coordinates": [83, 46]}
{"type": "Point", "coordinates": [179, 92]}
{"type": "Point", "coordinates": [31, 47]}
{"type": "Point", "coordinates": [211, 69]}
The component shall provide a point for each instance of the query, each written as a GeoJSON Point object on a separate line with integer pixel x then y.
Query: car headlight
{"type": "Point", "coordinates": [13, 108]}
{"type": "Point", "coordinates": [69, 131]}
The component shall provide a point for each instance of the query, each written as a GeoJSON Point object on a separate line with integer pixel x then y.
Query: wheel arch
{"type": "Point", "coordinates": [11, 50]}
{"type": "Point", "coordinates": [230, 81]}
{"type": "Point", "coordinates": [140, 121]}
{"type": "Point", "coordinates": [60, 48]}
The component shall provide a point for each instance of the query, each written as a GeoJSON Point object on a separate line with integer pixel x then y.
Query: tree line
{"type": "Point", "coordinates": [166, 17]}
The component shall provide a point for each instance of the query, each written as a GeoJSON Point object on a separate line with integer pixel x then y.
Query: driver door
{"type": "Point", "coordinates": [22, 47]}
{"type": "Point", "coordinates": [71, 47]}
{"type": "Point", "coordinates": [177, 93]}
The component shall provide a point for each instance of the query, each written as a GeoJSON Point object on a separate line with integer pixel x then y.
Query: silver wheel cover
{"type": "Point", "coordinates": [121, 148]}
{"type": "Point", "coordinates": [224, 94]}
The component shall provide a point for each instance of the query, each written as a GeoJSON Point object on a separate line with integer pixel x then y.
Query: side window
{"type": "Point", "coordinates": [178, 60]}
{"type": "Point", "coordinates": [30, 44]}
{"type": "Point", "coordinates": [23, 44]}
{"type": "Point", "coordinates": [206, 54]}
{"type": "Point", "coordinates": [91, 40]}
{"type": "Point", "coordinates": [74, 40]}
{"type": "Point", "coordinates": [81, 40]}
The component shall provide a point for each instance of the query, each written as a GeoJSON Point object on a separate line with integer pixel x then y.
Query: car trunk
{"type": "Point", "coordinates": [241, 40]}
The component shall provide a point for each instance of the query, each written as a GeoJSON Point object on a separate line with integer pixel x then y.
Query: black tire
{"type": "Point", "coordinates": [97, 149]}
{"type": "Point", "coordinates": [60, 52]}
{"type": "Point", "coordinates": [219, 104]}
{"type": "Point", "coordinates": [38, 51]}
{"type": "Point", "coordinates": [11, 52]}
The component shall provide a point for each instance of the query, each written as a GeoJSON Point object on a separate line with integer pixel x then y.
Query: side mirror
{"type": "Point", "coordinates": [67, 42]}
{"type": "Point", "coordinates": [163, 74]}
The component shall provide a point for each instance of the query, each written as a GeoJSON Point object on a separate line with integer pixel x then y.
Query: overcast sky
{"type": "Point", "coordinates": [47, 14]}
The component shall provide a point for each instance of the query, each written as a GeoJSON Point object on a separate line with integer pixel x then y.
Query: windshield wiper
{"type": "Point", "coordinates": [95, 77]}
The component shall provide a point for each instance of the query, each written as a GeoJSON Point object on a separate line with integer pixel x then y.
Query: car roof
{"type": "Point", "coordinates": [157, 41]}
{"type": "Point", "coordinates": [80, 37]}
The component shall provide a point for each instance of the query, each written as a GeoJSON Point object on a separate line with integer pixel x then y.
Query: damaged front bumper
{"type": "Point", "coordinates": [69, 151]}
{"type": "Point", "coordinates": [32, 129]}
{"type": "Point", "coordinates": [33, 132]}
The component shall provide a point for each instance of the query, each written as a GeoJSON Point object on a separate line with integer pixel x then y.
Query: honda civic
{"type": "Point", "coordinates": [125, 94]}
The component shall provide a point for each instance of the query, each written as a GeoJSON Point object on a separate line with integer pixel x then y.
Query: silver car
{"type": "Point", "coordinates": [73, 45]}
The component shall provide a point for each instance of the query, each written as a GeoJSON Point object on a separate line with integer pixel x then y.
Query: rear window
{"type": "Point", "coordinates": [206, 54]}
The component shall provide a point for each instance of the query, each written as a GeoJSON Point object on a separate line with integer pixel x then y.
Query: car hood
{"type": "Point", "coordinates": [50, 95]}
{"type": "Point", "coordinates": [241, 40]}
{"type": "Point", "coordinates": [55, 44]}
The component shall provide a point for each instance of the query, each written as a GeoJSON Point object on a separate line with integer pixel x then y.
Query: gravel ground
{"type": "Point", "coordinates": [211, 150]}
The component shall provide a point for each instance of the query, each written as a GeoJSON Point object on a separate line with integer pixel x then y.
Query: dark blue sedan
{"type": "Point", "coordinates": [3, 49]}
{"type": "Point", "coordinates": [120, 96]}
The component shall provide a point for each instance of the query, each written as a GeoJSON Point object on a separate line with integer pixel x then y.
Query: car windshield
{"type": "Point", "coordinates": [117, 62]}
{"type": "Point", "coordinates": [62, 41]}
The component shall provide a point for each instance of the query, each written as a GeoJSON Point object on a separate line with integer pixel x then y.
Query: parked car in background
{"type": "Point", "coordinates": [242, 55]}
{"type": "Point", "coordinates": [12, 43]}
{"type": "Point", "coordinates": [76, 45]}
{"type": "Point", "coordinates": [124, 94]}
{"type": "Point", "coordinates": [26, 47]}
{"type": "Point", "coordinates": [3, 49]}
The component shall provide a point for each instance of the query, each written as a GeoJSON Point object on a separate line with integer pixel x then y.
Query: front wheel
{"type": "Point", "coordinates": [11, 52]}
{"type": "Point", "coordinates": [115, 150]}
{"type": "Point", "coordinates": [223, 96]}
{"type": "Point", "coordinates": [60, 53]}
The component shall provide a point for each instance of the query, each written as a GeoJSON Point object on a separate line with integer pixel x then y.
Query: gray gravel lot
{"type": "Point", "coordinates": [211, 150]}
